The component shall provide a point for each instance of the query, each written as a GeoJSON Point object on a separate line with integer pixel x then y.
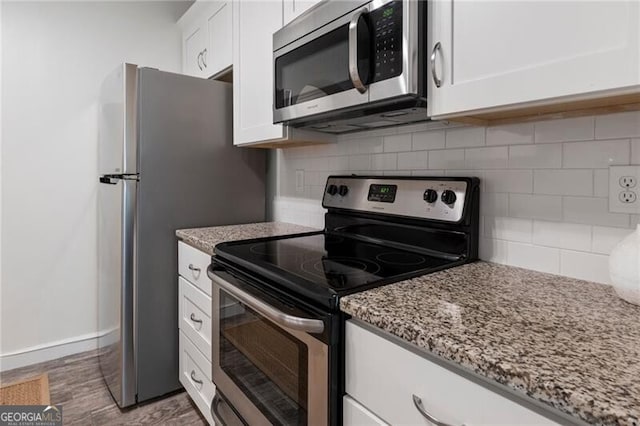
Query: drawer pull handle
{"type": "Point", "coordinates": [418, 403]}
{"type": "Point", "coordinates": [193, 268]}
{"type": "Point", "coordinates": [194, 319]}
{"type": "Point", "coordinates": [193, 377]}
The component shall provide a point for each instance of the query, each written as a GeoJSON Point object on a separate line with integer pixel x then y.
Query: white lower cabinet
{"type": "Point", "coordinates": [383, 378]}
{"type": "Point", "coordinates": [195, 376]}
{"type": "Point", "coordinates": [194, 322]}
{"type": "Point", "coordinates": [354, 414]}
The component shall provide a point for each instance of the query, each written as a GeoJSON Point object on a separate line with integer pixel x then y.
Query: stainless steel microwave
{"type": "Point", "coordinates": [351, 65]}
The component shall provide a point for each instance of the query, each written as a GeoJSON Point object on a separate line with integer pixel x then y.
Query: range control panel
{"type": "Point", "coordinates": [427, 198]}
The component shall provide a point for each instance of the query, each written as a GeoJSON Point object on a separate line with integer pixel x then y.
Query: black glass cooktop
{"type": "Point", "coordinates": [331, 263]}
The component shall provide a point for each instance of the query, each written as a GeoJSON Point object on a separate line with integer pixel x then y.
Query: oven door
{"type": "Point", "coordinates": [268, 358]}
{"type": "Point", "coordinates": [367, 55]}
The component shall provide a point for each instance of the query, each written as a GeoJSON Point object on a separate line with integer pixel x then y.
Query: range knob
{"type": "Point", "coordinates": [448, 197]}
{"type": "Point", "coordinates": [343, 190]}
{"type": "Point", "coordinates": [430, 196]}
{"type": "Point", "coordinates": [332, 190]}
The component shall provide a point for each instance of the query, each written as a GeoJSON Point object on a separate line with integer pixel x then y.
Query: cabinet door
{"type": "Point", "coordinates": [254, 23]}
{"type": "Point", "coordinates": [194, 44]}
{"type": "Point", "coordinates": [294, 8]}
{"type": "Point", "coordinates": [218, 54]}
{"type": "Point", "coordinates": [495, 53]}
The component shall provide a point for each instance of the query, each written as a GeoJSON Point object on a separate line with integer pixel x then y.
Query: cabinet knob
{"type": "Point", "coordinates": [436, 80]}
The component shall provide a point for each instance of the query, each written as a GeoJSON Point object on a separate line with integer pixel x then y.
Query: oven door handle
{"type": "Point", "coordinates": [308, 325]}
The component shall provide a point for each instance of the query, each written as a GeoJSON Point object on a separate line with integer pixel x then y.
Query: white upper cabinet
{"type": "Point", "coordinates": [206, 38]}
{"type": "Point", "coordinates": [498, 54]}
{"type": "Point", "coordinates": [194, 43]}
{"type": "Point", "coordinates": [254, 23]}
{"type": "Point", "coordinates": [219, 28]}
{"type": "Point", "coordinates": [294, 8]}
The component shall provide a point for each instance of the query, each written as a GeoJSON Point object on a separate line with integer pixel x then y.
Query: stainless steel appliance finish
{"type": "Point", "coordinates": [425, 199]}
{"type": "Point", "coordinates": [166, 161]}
{"type": "Point", "coordinates": [278, 392]}
{"type": "Point", "coordinates": [378, 230]}
{"type": "Point", "coordinates": [368, 65]}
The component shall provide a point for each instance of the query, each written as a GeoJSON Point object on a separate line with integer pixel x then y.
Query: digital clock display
{"type": "Point", "coordinates": [387, 12]}
{"type": "Point", "coordinates": [382, 193]}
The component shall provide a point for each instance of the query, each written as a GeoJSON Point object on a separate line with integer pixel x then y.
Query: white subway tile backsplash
{"type": "Point", "coordinates": [493, 250]}
{"type": "Point", "coordinates": [447, 159]}
{"type": "Point", "coordinates": [397, 143]}
{"type": "Point", "coordinates": [510, 134]}
{"type": "Point", "coordinates": [635, 151]}
{"type": "Point", "coordinates": [544, 259]}
{"type": "Point", "coordinates": [546, 207]}
{"type": "Point", "coordinates": [563, 182]}
{"type": "Point", "coordinates": [570, 129]}
{"type": "Point", "coordinates": [412, 160]}
{"type": "Point", "coordinates": [487, 158]}
{"type": "Point", "coordinates": [593, 211]}
{"type": "Point", "coordinates": [535, 156]}
{"type": "Point", "coordinates": [601, 183]}
{"type": "Point", "coordinates": [622, 125]}
{"type": "Point", "coordinates": [562, 235]}
{"type": "Point", "coordinates": [508, 228]}
{"type": "Point", "coordinates": [384, 161]}
{"type": "Point", "coordinates": [494, 204]}
{"type": "Point", "coordinates": [360, 162]}
{"type": "Point", "coordinates": [597, 154]}
{"type": "Point", "coordinates": [518, 181]}
{"type": "Point", "coordinates": [428, 140]}
{"type": "Point", "coordinates": [605, 238]}
{"type": "Point", "coordinates": [464, 137]}
{"type": "Point", "coordinates": [339, 164]}
{"type": "Point", "coordinates": [368, 146]}
{"type": "Point", "coordinates": [544, 186]}
{"type": "Point", "coordinates": [585, 266]}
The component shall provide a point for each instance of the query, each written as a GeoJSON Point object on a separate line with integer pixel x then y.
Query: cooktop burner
{"type": "Point", "coordinates": [332, 261]}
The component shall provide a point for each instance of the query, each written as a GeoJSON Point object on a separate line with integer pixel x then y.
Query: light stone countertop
{"type": "Point", "coordinates": [205, 239]}
{"type": "Point", "coordinates": [570, 344]}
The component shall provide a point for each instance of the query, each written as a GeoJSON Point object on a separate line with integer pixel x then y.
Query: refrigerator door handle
{"type": "Point", "coordinates": [107, 180]}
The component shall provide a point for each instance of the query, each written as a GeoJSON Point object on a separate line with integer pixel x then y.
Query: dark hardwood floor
{"type": "Point", "coordinates": [75, 383]}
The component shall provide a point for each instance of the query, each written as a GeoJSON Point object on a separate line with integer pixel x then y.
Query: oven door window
{"type": "Point", "coordinates": [320, 67]}
{"type": "Point", "coordinates": [268, 364]}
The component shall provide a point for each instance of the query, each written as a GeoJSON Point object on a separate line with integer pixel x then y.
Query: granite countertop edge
{"type": "Point", "coordinates": [576, 404]}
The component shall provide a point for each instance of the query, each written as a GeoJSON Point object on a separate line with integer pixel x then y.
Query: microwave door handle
{"type": "Point", "coordinates": [308, 325]}
{"type": "Point", "coordinates": [353, 51]}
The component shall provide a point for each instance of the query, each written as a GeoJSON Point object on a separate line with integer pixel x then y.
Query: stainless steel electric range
{"type": "Point", "coordinates": [277, 326]}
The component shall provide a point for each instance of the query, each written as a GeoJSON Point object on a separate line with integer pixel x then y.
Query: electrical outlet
{"type": "Point", "coordinates": [624, 192]}
{"type": "Point", "coordinates": [299, 181]}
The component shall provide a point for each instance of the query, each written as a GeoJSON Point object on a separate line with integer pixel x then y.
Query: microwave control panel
{"type": "Point", "coordinates": [386, 22]}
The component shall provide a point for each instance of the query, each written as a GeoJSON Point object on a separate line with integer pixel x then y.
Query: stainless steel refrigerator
{"type": "Point", "coordinates": [166, 161]}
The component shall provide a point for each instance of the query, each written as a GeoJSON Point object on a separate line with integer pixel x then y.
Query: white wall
{"type": "Point", "coordinates": [544, 185]}
{"type": "Point", "coordinates": [54, 58]}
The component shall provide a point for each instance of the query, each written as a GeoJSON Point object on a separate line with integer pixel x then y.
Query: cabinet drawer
{"type": "Point", "coordinates": [195, 368]}
{"type": "Point", "coordinates": [192, 265]}
{"type": "Point", "coordinates": [194, 312]}
{"type": "Point", "coordinates": [384, 376]}
{"type": "Point", "coordinates": [354, 414]}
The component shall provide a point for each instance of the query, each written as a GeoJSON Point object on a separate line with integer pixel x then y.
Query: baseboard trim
{"type": "Point", "coordinates": [48, 351]}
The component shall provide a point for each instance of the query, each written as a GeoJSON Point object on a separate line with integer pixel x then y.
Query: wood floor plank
{"type": "Point", "coordinates": [76, 383]}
